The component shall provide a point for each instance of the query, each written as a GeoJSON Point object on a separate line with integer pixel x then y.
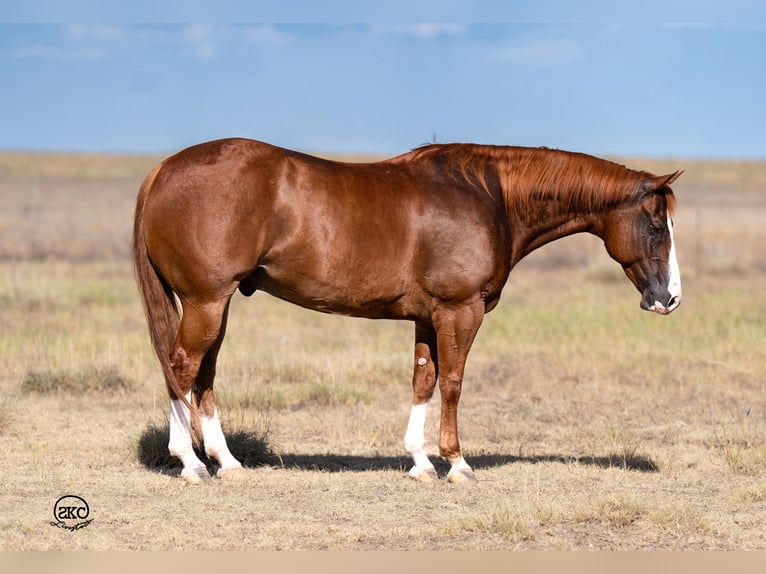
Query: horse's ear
{"type": "Point", "coordinates": [654, 183]}
{"type": "Point", "coordinates": [662, 180]}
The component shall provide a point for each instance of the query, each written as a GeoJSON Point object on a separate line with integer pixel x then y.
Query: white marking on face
{"type": "Point", "coordinates": [674, 282]}
{"type": "Point", "coordinates": [422, 361]}
{"type": "Point", "coordinates": [674, 279]}
{"type": "Point", "coordinates": [414, 439]}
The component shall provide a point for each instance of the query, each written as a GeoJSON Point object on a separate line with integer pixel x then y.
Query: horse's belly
{"type": "Point", "coordinates": [359, 295]}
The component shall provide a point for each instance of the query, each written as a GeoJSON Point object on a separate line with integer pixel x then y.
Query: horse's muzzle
{"type": "Point", "coordinates": [661, 309]}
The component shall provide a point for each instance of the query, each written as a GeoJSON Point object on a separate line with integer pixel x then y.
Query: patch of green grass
{"type": "Point", "coordinates": [751, 494]}
{"type": "Point", "coordinates": [511, 522]}
{"type": "Point", "coordinates": [337, 394]}
{"type": "Point", "coordinates": [679, 520]}
{"type": "Point", "coordinates": [616, 511]}
{"type": "Point", "coordinates": [260, 398]}
{"type": "Point", "coordinates": [744, 457]}
{"type": "Point", "coordinates": [92, 378]}
{"type": "Point", "coordinates": [289, 395]}
{"type": "Point", "coordinates": [740, 442]}
{"type": "Point", "coordinates": [521, 523]}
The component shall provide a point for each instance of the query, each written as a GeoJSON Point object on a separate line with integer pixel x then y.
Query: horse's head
{"type": "Point", "coordinates": [639, 236]}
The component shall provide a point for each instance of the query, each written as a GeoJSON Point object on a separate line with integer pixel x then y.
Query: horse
{"type": "Point", "coordinates": [429, 236]}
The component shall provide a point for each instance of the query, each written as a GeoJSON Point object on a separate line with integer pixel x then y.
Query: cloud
{"type": "Point", "coordinates": [83, 32]}
{"type": "Point", "coordinates": [429, 30]}
{"type": "Point", "coordinates": [72, 43]}
{"type": "Point", "coordinates": [423, 30]}
{"type": "Point", "coordinates": [57, 54]}
{"type": "Point", "coordinates": [200, 38]}
{"type": "Point", "coordinates": [555, 53]}
{"type": "Point", "coordinates": [717, 26]}
{"type": "Point", "coordinates": [265, 34]}
{"type": "Point", "coordinates": [207, 41]}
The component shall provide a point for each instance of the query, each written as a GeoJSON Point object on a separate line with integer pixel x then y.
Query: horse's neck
{"type": "Point", "coordinates": [528, 236]}
{"type": "Point", "coordinates": [548, 194]}
{"type": "Point", "coordinates": [536, 218]}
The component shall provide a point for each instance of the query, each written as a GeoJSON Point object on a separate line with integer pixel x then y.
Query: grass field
{"type": "Point", "coordinates": [591, 424]}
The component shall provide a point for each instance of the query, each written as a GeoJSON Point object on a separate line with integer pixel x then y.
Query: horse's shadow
{"type": "Point", "coordinates": [343, 463]}
{"type": "Point", "coordinates": [253, 451]}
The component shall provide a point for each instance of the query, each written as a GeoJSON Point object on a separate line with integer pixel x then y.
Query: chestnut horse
{"type": "Point", "coordinates": [429, 236]}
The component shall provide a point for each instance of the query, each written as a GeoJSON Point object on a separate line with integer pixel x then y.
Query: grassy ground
{"type": "Point", "coordinates": [590, 424]}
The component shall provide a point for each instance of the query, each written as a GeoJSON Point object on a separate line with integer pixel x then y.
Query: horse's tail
{"type": "Point", "coordinates": [159, 303]}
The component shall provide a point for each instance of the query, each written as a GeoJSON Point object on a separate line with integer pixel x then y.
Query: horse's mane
{"type": "Point", "coordinates": [576, 180]}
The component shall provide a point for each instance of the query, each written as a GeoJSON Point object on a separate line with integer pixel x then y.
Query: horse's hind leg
{"type": "Point", "coordinates": [201, 325]}
{"type": "Point", "coordinates": [423, 384]}
{"type": "Point", "coordinates": [180, 443]}
{"type": "Point", "coordinates": [212, 434]}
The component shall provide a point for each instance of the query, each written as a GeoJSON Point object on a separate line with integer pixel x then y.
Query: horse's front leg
{"type": "Point", "coordinates": [456, 327]}
{"type": "Point", "coordinates": [423, 385]}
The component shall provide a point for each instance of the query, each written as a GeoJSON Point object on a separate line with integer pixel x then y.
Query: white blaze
{"type": "Point", "coordinates": [674, 283]}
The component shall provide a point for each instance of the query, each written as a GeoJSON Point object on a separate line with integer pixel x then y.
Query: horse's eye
{"type": "Point", "coordinates": [656, 227]}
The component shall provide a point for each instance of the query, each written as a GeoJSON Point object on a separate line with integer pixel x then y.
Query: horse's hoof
{"type": "Point", "coordinates": [233, 473]}
{"type": "Point", "coordinates": [462, 475]}
{"type": "Point", "coordinates": [195, 475]}
{"type": "Point", "coordinates": [424, 475]}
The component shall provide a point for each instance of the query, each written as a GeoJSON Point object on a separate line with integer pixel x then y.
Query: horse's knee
{"type": "Point", "coordinates": [450, 387]}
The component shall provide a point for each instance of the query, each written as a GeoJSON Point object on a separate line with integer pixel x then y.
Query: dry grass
{"type": "Point", "coordinates": [6, 414]}
{"type": "Point", "coordinates": [92, 379]}
{"type": "Point", "coordinates": [591, 425]}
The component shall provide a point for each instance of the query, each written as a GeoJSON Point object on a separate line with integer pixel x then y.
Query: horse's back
{"type": "Point", "coordinates": [376, 239]}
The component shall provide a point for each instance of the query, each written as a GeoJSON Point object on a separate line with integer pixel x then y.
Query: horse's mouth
{"type": "Point", "coordinates": [661, 309]}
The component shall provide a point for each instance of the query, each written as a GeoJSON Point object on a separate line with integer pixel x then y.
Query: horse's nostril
{"type": "Point", "coordinates": [673, 301]}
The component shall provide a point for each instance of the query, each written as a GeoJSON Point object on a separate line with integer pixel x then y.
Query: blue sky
{"type": "Point", "coordinates": [687, 84]}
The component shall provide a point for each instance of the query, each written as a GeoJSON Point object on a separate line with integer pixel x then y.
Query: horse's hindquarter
{"type": "Point", "coordinates": [198, 214]}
